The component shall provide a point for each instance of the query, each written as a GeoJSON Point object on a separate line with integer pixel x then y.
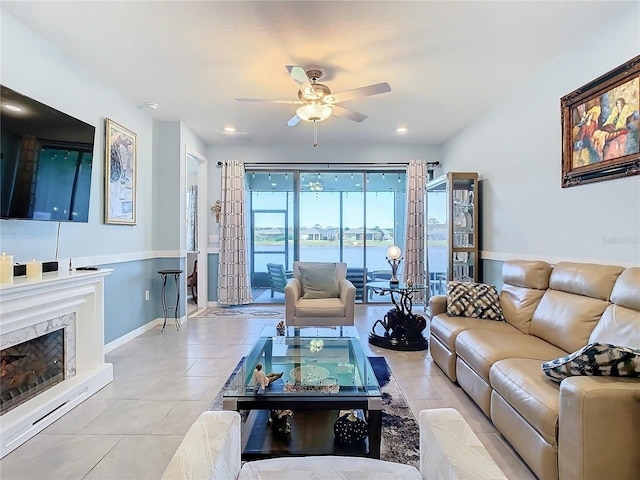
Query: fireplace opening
{"type": "Point", "coordinates": [30, 368]}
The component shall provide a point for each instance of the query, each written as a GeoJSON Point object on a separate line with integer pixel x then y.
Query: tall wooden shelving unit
{"type": "Point", "coordinates": [452, 246]}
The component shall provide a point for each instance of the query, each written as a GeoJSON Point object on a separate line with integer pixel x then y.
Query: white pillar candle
{"type": "Point", "coordinates": [34, 270]}
{"type": "Point", "coordinates": [6, 268]}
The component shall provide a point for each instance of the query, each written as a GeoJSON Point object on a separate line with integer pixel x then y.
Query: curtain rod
{"type": "Point", "coordinates": [335, 165]}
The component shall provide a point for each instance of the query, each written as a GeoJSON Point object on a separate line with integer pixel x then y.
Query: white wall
{"type": "Point", "coordinates": [35, 68]}
{"type": "Point", "coordinates": [516, 148]}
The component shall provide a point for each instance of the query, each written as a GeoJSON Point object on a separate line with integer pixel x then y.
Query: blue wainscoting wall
{"type": "Point", "coordinates": [492, 272]}
{"type": "Point", "coordinates": [125, 307]}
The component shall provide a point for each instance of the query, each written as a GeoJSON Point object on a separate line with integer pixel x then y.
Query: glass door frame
{"type": "Point", "coordinates": [254, 252]}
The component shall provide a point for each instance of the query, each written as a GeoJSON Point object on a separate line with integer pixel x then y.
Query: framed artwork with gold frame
{"type": "Point", "coordinates": [600, 127]}
{"type": "Point", "coordinates": [120, 174]}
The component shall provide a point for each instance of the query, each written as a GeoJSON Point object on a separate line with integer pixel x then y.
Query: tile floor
{"type": "Point", "coordinates": [163, 381]}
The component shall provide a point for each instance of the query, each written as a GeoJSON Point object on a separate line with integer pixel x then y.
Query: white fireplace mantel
{"type": "Point", "coordinates": [28, 303]}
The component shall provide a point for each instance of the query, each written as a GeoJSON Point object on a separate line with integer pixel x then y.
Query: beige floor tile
{"type": "Point", "coordinates": [180, 417]}
{"type": "Point", "coordinates": [138, 457]}
{"type": "Point", "coordinates": [76, 420]}
{"type": "Point", "coordinates": [130, 417]}
{"type": "Point", "coordinates": [418, 388]}
{"type": "Point", "coordinates": [127, 387]}
{"type": "Point", "coordinates": [205, 368]}
{"type": "Point", "coordinates": [180, 388]}
{"type": "Point", "coordinates": [56, 457]}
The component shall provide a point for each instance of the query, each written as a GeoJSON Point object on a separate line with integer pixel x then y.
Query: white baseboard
{"type": "Point", "coordinates": [118, 342]}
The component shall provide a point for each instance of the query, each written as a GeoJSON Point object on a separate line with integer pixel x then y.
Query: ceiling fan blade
{"type": "Point", "coordinates": [350, 114]}
{"type": "Point", "coordinates": [359, 92]}
{"type": "Point", "coordinates": [262, 100]}
{"type": "Point", "coordinates": [300, 76]}
{"type": "Point", "coordinates": [293, 121]}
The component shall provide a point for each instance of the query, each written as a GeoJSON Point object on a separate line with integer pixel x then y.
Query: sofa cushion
{"type": "Point", "coordinates": [524, 283]}
{"type": "Point", "coordinates": [620, 323]}
{"type": "Point", "coordinates": [566, 319]}
{"type": "Point", "coordinates": [617, 326]}
{"type": "Point", "coordinates": [476, 300]}
{"type": "Point", "coordinates": [320, 281]}
{"type": "Point", "coordinates": [527, 274]}
{"type": "Point", "coordinates": [327, 468]}
{"type": "Point", "coordinates": [535, 397]}
{"type": "Point", "coordinates": [447, 328]}
{"type": "Point", "coordinates": [626, 291]}
{"type": "Point", "coordinates": [518, 304]}
{"type": "Point", "coordinates": [210, 449]}
{"type": "Point", "coordinates": [586, 279]}
{"type": "Point", "coordinates": [596, 359]}
{"type": "Point", "coordinates": [320, 307]}
{"type": "Point", "coordinates": [482, 348]}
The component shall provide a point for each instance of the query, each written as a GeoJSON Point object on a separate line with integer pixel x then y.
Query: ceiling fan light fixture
{"type": "Point", "coordinates": [314, 112]}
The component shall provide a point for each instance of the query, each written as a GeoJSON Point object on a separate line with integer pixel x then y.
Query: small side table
{"type": "Point", "coordinates": [164, 274]}
{"type": "Point", "coordinates": [401, 328]}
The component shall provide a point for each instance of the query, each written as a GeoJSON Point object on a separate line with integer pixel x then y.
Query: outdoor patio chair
{"type": "Point", "coordinates": [358, 276]}
{"type": "Point", "coordinates": [277, 277]}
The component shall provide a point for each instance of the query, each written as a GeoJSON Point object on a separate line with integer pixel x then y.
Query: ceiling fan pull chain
{"type": "Point", "coordinates": [315, 133]}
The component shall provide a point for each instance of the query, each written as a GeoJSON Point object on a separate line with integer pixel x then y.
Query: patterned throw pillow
{"type": "Point", "coordinates": [477, 300]}
{"type": "Point", "coordinates": [596, 359]}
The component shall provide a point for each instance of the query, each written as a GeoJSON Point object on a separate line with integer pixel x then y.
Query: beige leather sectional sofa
{"type": "Point", "coordinates": [585, 427]}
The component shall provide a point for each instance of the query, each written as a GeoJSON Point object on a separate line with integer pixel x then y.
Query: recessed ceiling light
{"type": "Point", "coordinates": [229, 129]}
{"type": "Point", "coordinates": [152, 106]}
{"type": "Point", "coordinates": [401, 130]}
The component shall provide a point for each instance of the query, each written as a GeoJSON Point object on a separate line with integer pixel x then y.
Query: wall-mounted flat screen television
{"type": "Point", "coordinates": [45, 161]}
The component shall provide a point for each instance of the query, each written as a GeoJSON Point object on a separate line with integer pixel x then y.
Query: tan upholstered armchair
{"type": "Point", "coordinates": [319, 295]}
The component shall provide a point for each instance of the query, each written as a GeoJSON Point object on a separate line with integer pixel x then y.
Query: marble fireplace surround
{"type": "Point", "coordinates": [65, 322]}
{"type": "Point", "coordinates": [29, 308]}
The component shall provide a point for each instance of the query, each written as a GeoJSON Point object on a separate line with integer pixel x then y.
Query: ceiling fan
{"type": "Point", "coordinates": [317, 102]}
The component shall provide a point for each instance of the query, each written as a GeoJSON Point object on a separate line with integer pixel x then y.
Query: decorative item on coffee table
{"type": "Point", "coordinates": [279, 421]}
{"type": "Point", "coordinates": [349, 429]}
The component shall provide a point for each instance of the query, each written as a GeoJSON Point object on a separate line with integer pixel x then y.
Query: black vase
{"type": "Point", "coordinates": [350, 430]}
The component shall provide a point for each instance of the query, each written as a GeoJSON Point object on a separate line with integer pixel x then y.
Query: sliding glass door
{"type": "Point", "coordinates": [341, 216]}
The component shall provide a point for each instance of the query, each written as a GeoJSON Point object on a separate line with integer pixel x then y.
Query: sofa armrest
{"type": "Point", "coordinates": [599, 428]}
{"type": "Point", "coordinates": [450, 450]}
{"type": "Point", "coordinates": [292, 293]}
{"type": "Point", "coordinates": [437, 305]}
{"type": "Point", "coordinates": [348, 297]}
{"type": "Point", "coordinates": [210, 449]}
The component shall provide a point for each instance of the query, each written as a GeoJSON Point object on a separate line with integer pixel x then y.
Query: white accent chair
{"type": "Point", "coordinates": [449, 450]}
{"type": "Point", "coordinates": [306, 304]}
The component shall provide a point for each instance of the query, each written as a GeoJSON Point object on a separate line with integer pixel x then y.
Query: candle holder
{"type": "Point", "coordinates": [6, 268]}
{"type": "Point", "coordinates": [394, 257]}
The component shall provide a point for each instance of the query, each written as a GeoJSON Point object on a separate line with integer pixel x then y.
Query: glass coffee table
{"type": "Point", "coordinates": [324, 370]}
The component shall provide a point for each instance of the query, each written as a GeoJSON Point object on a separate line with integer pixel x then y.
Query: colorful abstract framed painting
{"type": "Point", "coordinates": [120, 174]}
{"type": "Point", "coordinates": [600, 127]}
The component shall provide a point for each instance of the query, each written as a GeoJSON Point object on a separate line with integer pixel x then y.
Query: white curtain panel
{"type": "Point", "coordinates": [192, 219]}
{"type": "Point", "coordinates": [233, 276]}
{"type": "Point", "coordinates": [415, 268]}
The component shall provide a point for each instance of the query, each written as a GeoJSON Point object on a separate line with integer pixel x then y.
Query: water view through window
{"type": "Point", "coordinates": [350, 217]}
